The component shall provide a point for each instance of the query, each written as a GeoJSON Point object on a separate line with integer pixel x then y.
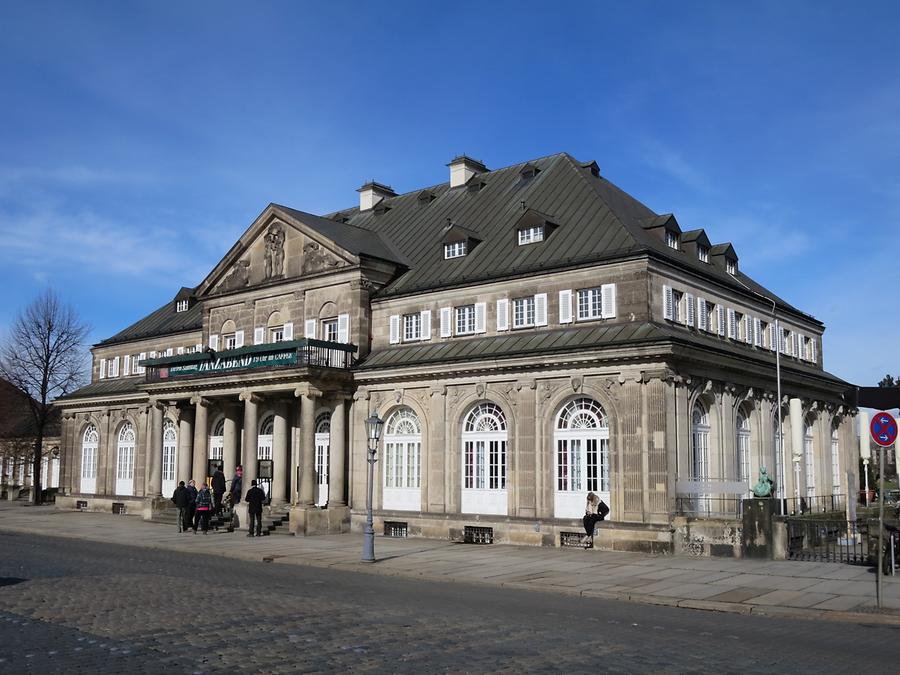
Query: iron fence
{"type": "Point", "coordinates": [703, 506]}
{"type": "Point", "coordinates": [792, 506]}
{"type": "Point", "coordinates": [829, 540]}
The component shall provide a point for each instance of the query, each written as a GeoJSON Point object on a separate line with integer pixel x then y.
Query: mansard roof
{"type": "Point", "coordinates": [163, 321]}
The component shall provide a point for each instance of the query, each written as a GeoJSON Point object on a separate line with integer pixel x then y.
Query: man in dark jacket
{"type": "Point", "coordinates": [182, 499]}
{"type": "Point", "coordinates": [218, 488]}
{"type": "Point", "coordinates": [237, 485]}
{"type": "Point", "coordinates": [255, 498]}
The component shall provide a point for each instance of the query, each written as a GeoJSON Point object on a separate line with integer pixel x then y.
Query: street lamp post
{"type": "Point", "coordinates": [373, 433]}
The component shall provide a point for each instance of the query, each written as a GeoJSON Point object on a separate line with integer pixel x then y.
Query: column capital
{"type": "Point", "coordinates": [361, 394]}
{"type": "Point", "coordinates": [250, 396]}
{"type": "Point", "coordinates": [307, 390]}
{"type": "Point", "coordinates": [156, 403]}
{"type": "Point", "coordinates": [198, 399]}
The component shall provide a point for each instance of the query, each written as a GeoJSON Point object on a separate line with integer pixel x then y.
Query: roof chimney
{"type": "Point", "coordinates": [462, 168]}
{"type": "Point", "coordinates": [371, 193]}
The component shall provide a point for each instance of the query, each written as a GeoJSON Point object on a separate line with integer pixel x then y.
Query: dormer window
{"type": "Point", "coordinates": [531, 235]}
{"type": "Point", "coordinates": [731, 266]}
{"type": "Point", "coordinates": [455, 249]}
{"type": "Point", "coordinates": [181, 306]}
{"type": "Point", "coordinates": [703, 253]}
{"type": "Point", "coordinates": [672, 239]}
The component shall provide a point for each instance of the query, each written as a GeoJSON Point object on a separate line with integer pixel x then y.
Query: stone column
{"type": "Point", "coordinates": [279, 455]}
{"type": "Point", "coordinates": [230, 440]}
{"type": "Point", "coordinates": [308, 445]}
{"type": "Point", "coordinates": [201, 439]}
{"type": "Point", "coordinates": [336, 454]}
{"type": "Point", "coordinates": [185, 438]}
{"type": "Point", "coordinates": [796, 408]}
{"type": "Point", "coordinates": [65, 457]}
{"type": "Point", "coordinates": [154, 470]}
{"type": "Point", "coordinates": [526, 450]}
{"type": "Point", "coordinates": [249, 448]}
{"type": "Point", "coordinates": [103, 450]}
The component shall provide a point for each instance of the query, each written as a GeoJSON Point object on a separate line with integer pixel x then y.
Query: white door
{"type": "Point", "coordinates": [581, 444]}
{"type": "Point", "coordinates": [402, 458]}
{"type": "Point", "coordinates": [169, 458]}
{"type": "Point", "coordinates": [323, 441]}
{"type": "Point", "coordinates": [484, 445]}
{"type": "Point", "coordinates": [264, 451]}
{"type": "Point", "coordinates": [89, 444]}
{"type": "Point", "coordinates": [217, 441]}
{"type": "Point", "coordinates": [125, 461]}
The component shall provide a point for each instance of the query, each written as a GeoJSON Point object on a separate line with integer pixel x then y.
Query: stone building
{"type": "Point", "coordinates": [528, 334]}
{"type": "Point", "coordinates": [18, 436]}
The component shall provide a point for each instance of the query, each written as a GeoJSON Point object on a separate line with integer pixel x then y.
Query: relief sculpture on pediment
{"type": "Point", "coordinates": [317, 259]}
{"type": "Point", "coordinates": [274, 256]}
{"type": "Point", "coordinates": [238, 277]}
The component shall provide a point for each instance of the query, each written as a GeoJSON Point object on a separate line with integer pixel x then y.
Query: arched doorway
{"type": "Point", "coordinates": [264, 451]}
{"type": "Point", "coordinates": [217, 442]}
{"type": "Point", "coordinates": [89, 443]}
{"type": "Point", "coordinates": [125, 460]}
{"type": "Point", "coordinates": [484, 447]}
{"type": "Point", "coordinates": [700, 453]}
{"type": "Point", "coordinates": [323, 443]}
{"type": "Point", "coordinates": [581, 441]}
{"type": "Point", "coordinates": [402, 461]}
{"type": "Point", "coordinates": [169, 457]}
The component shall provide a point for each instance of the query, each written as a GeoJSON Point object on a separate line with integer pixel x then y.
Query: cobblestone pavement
{"type": "Point", "coordinates": [85, 607]}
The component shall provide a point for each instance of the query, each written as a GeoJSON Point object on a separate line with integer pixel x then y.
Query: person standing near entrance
{"type": "Point", "coordinates": [192, 509]}
{"type": "Point", "coordinates": [204, 507]}
{"type": "Point", "coordinates": [182, 499]}
{"type": "Point", "coordinates": [237, 485]}
{"type": "Point", "coordinates": [255, 498]}
{"type": "Point", "coordinates": [218, 488]}
{"type": "Point", "coordinates": [595, 510]}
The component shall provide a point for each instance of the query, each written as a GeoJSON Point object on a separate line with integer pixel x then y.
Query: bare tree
{"type": "Point", "coordinates": [43, 356]}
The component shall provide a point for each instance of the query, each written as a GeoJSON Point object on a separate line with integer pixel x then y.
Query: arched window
{"type": "Point", "coordinates": [402, 461]}
{"type": "Point", "coordinates": [125, 460]}
{"type": "Point", "coordinates": [264, 443]}
{"type": "Point", "coordinates": [742, 445]}
{"type": "Point", "coordinates": [700, 454]}
{"type": "Point", "coordinates": [835, 461]}
{"type": "Point", "coordinates": [484, 444]}
{"type": "Point", "coordinates": [89, 442]}
{"type": "Point", "coordinates": [581, 438]}
{"type": "Point", "coordinates": [169, 457]}
{"type": "Point", "coordinates": [217, 440]}
{"type": "Point", "coordinates": [808, 459]}
{"type": "Point", "coordinates": [323, 446]}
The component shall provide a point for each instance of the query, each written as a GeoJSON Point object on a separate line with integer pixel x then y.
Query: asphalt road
{"type": "Point", "coordinates": [73, 606]}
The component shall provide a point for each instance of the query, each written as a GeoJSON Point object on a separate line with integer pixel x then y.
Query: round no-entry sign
{"type": "Point", "coordinates": [883, 428]}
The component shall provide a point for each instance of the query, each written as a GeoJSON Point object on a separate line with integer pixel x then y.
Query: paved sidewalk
{"type": "Point", "coordinates": [814, 590]}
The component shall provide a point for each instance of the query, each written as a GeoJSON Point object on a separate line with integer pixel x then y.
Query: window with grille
{"type": "Point", "coordinates": [703, 254]}
{"type": "Point", "coordinates": [530, 235]}
{"type": "Point", "coordinates": [412, 326]}
{"type": "Point", "coordinates": [403, 447]}
{"type": "Point", "coordinates": [125, 463]}
{"type": "Point", "coordinates": [90, 441]}
{"type": "Point", "coordinates": [731, 266]}
{"type": "Point", "coordinates": [523, 312]}
{"type": "Point", "coordinates": [590, 303]}
{"type": "Point", "coordinates": [484, 448]}
{"type": "Point", "coordinates": [276, 334]}
{"type": "Point", "coordinates": [181, 306]}
{"type": "Point", "coordinates": [465, 319]}
{"type": "Point", "coordinates": [456, 249]}
{"type": "Point", "coordinates": [672, 239]}
{"type": "Point", "coordinates": [582, 447]}
{"type": "Point", "coordinates": [170, 450]}
{"type": "Point", "coordinates": [743, 447]}
{"type": "Point", "coordinates": [699, 443]}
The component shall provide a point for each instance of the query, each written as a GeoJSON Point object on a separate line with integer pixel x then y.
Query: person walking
{"type": "Point", "coordinates": [204, 508]}
{"type": "Point", "coordinates": [192, 509]}
{"type": "Point", "coordinates": [595, 510]}
{"type": "Point", "coordinates": [255, 498]}
{"type": "Point", "coordinates": [237, 485]}
{"type": "Point", "coordinates": [182, 499]}
{"type": "Point", "coordinates": [218, 488]}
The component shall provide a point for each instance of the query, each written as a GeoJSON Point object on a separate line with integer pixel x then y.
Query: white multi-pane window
{"type": "Point", "coordinates": [217, 440]}
{"type": "Point", "coordinates": [530, 235]}
{"type": "Point", "coordinates": [465, 319]}
{"type": "Point", "coordinates": [330, 330]}
{"type": "Point", "coordinates": [402, 461]}
{"type": "Point", "coordinates": [672, 239]}
{"type": "Point", "coordinates": [484, 440]}
{"type": "Point", "coordinates": [700, 452]}
{"type": "Point", "coordinates": [276, 333]}
{"type": "Point", "coordinates": [703, 254]}
{"type": "Point", "coordinates": [229, 341]}
{"type": "Point", "coordinates": [731, 266]}
{"type": "Point", "coordinates": [125, 460]}
{"type": "Point", "coordinates": [89, 443]}
{"type": "Point", "coordinates": [412, 326]}
{"type": "Point", "coordinates": [181, 306]}
{"type": "Point", "coordinates": [169, 457]}
{"type": "Point", "coordinates": [590, 303]}
{"type": "Point", "coordinates": [742, 443]}
{"type": "Point", "coordinates": [678, 306]}
{"type": "Point", "coordinates": [523, 312]}
{"type": "Point", "coordinates": [323, 450]}
{"type": "Point", "coordinates": [456, 249]}
{"type": "Point", "coordinates": [808, 460]}
{"type": "Point", "coordinates": [835, 462]}
{"type": "Point", "coordinates": [581, 437]}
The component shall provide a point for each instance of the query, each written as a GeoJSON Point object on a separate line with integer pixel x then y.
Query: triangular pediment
{"type": "Point", "coordinates": [279, 245]}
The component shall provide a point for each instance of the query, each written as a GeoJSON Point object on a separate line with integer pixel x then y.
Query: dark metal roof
{"type": "Point", "coordinates": [110, 387]}
{"type": "Point", "coordinates": [164, 321]}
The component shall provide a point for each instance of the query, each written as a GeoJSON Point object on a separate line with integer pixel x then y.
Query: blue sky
{"type": "Point", "coordinates": [138, 140]}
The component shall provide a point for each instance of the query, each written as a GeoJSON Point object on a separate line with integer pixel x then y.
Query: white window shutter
{"type": "Point", "coordinates": [426, 324]}
{"type": "Point", "coordinates": [720, 320]}
{"type": "Point", "coordinates": [446, 330]}
{"type": "Point", "coordinates": [126, 366]}
{"type": "Point", "coordinates": [309, 329]}
{"type": "Point", "coordinates": [608, 300]}
{"type": "Point", "coordinates": [343, 328]}
{"type": "Point", "coordinates": [214, 341]}
{"type": "Point", "coordinates": [503, 314]}
{"type": "Point", "coordinates": [702, 319]}
{"type": "Point", "coordinates": [794, 351]}
{"type": "Point", "coordinates": [259, 335]}
{"type": "Point", "coordinates": [198, 348]}
{"type": "Point", "coordinates": [238, 338]}
{"type": "Point", "coordinates": [394, 329]}
{"type": "Point", "coordinates": [757, 332]}
{"type": "Point", "coordinates": [773, 338]}
{"type": "Point", "coordinates": [287, 332]}
{"type": "Point", "coordinates": [668, 303]}
{"type": "Point", "coordinates": [480, 317]}
{"type": "Point", "coordinates": [178, 351]}
{"type": "Point", "coordinates": [689, 304]}
{"type": "Point", "coordinates": [813, 359]}
{"type": "Point", "coordinates": [748, 329]}
{"type": "Point", "coordinates": [540, 309]}
{"type": "Point", "coordinates": [102, 368]}
{"type": "Point", "coordinates": [114, 367]}
{"type": "Point", "coordinates": [169, 352]}
{"type": "Point", "coordinates": [565, 306]}
{"type": "Point", "coordinates": [732, 324]}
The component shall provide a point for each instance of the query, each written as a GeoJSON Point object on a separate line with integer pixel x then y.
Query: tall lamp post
{"type": "Point", "coordinates": [373, 432]}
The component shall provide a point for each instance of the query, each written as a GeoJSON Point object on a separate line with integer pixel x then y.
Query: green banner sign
{"type": "Point", "coordinates": [227, 365]}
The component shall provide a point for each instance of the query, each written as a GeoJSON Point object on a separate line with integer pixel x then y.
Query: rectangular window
{"type": "Point", "coordinates": [740, 326]}
{"type": "Point", "coordinates": [730, 266]}
{"type": "Point", "coordinates": [276, 334]}
{"type": "Point", "coordinates": [710, 316]}
{"type": "Point", "coordinates": [677, 308]}
{"type": "Point", "coordinates": [523, 312]}
{"type": "Point", "coordinates": [457, 249]}
{"type": "Point", "coordinates": [590, 304]}
{"type": "Point", "coordinates": [465, 319]}
{"type": "Point", "coordinates": [672, 239]}
{"type": "Point", "coordinates": [229, 340]}
{"type": "Point", "coordinates": [412, 327]}
{"type": "Point", "coordinates": [330, 330]}
{"type": "Point", "coordinates": [530, 235]}
{"type": "Point", "coordinates": [703, 254]}
{"type": "Point", "coordinates": [181, 306]}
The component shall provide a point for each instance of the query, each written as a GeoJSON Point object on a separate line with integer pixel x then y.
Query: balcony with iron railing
{"type": "Point", "coordinates": [305, 353]}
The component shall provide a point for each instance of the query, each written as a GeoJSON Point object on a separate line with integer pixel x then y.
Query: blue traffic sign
{"type": "Point", "coordinates": [883, 428]}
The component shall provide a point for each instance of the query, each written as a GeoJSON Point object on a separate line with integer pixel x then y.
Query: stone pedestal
{"type": "Point", "coordinates": [757, 540]}
{"type": "Point", "coordinates": [308, 521]}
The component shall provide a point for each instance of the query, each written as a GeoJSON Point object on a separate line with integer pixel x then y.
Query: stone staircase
{"type": "Point", "coordinates": [219, 523]}
{"type": "Point", "coordinates": [275, 522]}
